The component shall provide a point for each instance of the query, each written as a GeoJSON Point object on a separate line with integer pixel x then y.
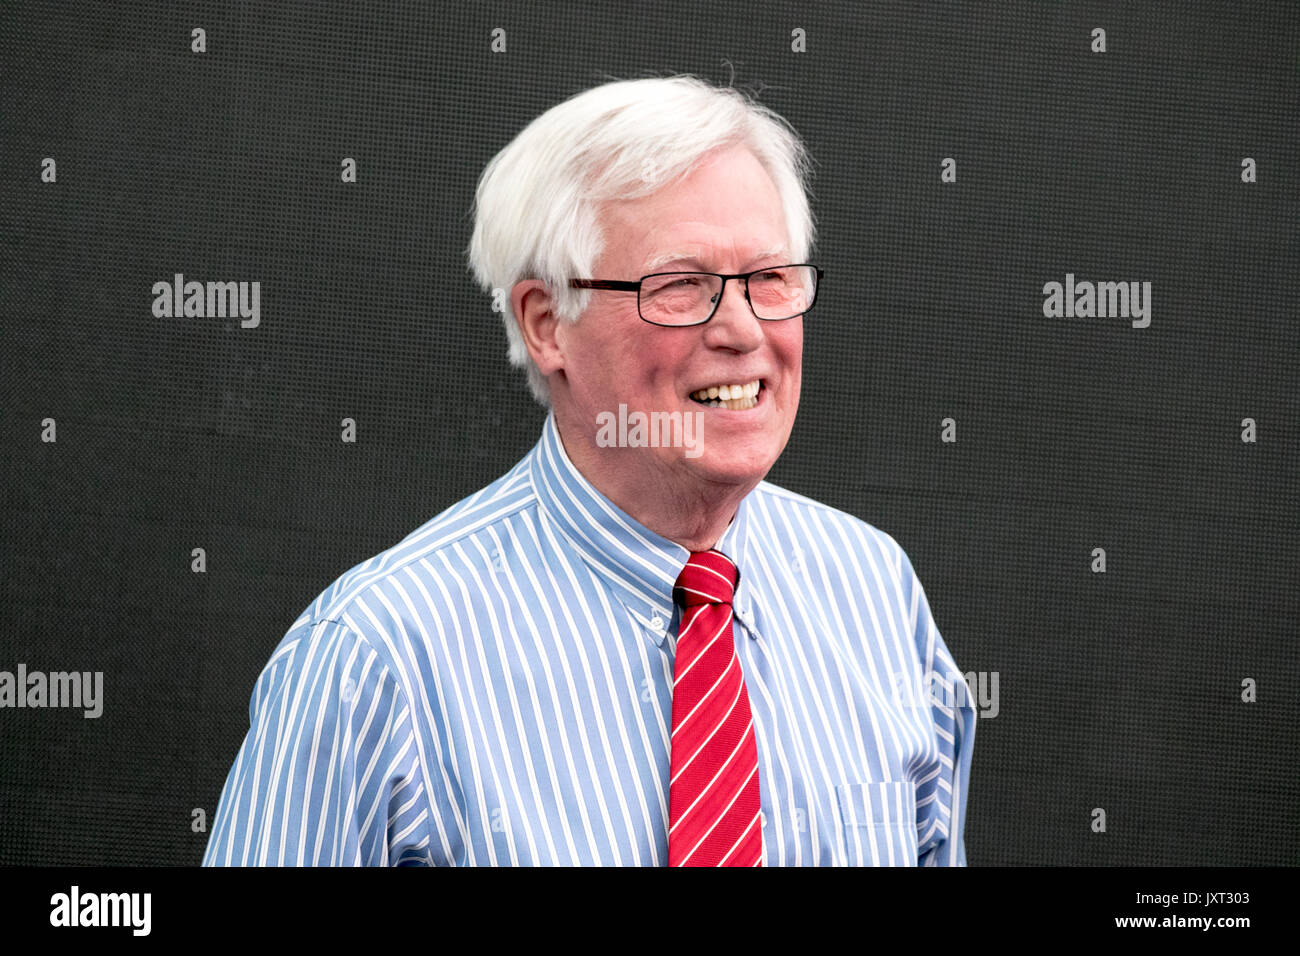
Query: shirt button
{"type": "Point", "coordinates": [657, 624]}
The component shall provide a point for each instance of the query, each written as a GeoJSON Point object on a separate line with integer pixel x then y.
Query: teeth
{"type": "Point", "coordinates": [728, 392]}
{"type": "Point", "coordinates": [734, 397]}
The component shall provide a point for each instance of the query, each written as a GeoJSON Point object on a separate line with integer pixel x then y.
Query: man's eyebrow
{"type": "Point", "coordinates": [687, 259]}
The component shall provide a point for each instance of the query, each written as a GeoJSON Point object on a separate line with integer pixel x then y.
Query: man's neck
{"type": "Point", "coordinates": [689, 512]}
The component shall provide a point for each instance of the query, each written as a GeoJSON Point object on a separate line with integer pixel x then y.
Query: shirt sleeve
{"type": "Point", "coordinates": [328, 774]}
{"type": "Point", "coordinates": [940, 797]}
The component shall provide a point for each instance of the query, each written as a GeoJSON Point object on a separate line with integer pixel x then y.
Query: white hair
{"type": "Point", "coordinates": [535, 214]}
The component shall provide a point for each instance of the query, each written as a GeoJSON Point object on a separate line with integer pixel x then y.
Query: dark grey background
{"type": "Point", "coordinates": [1119, 691]}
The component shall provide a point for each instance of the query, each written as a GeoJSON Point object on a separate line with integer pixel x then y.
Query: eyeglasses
{"type": "Point", "coordinates": [676, 299]}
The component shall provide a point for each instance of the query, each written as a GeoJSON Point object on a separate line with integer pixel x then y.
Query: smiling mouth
{"type": "Point", "coordinates": [735, 398]}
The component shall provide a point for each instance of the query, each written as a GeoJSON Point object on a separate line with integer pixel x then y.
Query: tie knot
{"type": "Point", "coordinates": [710, 577]}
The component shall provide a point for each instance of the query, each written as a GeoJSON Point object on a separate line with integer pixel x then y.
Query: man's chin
{"type": "Point", "coordinates": [716, 466]}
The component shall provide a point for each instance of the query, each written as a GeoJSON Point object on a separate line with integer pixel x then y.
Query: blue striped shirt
{"type": "Point", "coordinates": [496, 690]}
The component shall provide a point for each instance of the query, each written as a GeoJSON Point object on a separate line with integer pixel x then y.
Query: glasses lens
{"type": "Point", "coordinates": [783, 292]}
{"type": "Point", "coordinates": [678, 298]}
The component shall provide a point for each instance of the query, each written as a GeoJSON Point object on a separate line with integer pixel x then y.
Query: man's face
{"type": "Point", "coordinates": [725, 217]}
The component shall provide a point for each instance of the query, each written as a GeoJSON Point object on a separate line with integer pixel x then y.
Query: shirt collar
{"type": "Point", "coordinates": [640, 564]}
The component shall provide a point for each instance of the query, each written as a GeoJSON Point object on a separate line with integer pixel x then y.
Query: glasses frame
{"type": "Point", "coordinates": [620, 285]}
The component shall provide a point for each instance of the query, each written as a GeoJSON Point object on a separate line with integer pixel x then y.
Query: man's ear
{"type": "Point", "coordinates": [531, 302]}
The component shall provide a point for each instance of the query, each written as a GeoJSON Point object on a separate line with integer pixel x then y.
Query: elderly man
{"type": "Point", "coordinates": [629, 649]}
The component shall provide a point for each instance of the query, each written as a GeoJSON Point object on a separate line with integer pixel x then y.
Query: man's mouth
{"type": "Point", "coordinates": [737, 398]}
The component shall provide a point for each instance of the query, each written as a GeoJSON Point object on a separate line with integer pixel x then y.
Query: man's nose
{"type": "Point", "coordinates": [734, 324]}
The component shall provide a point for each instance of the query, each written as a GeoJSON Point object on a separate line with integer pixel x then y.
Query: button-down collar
{"type": "Point", "coordinates": [642, 566]}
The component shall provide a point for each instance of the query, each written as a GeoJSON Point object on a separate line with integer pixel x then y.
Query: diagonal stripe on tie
{"type": "Point", "coordinates": [720, 829]}
{"type": "Point", "coordinates": [723, 787]}
{"type": "Point", "coordinates": [695, 689]}
{"type": "Point", "coordinates": [684, 667]}
{"type": "Point", "coordinates": [714, 787]}
{"type": "Point", "coordinates": [731, 709]}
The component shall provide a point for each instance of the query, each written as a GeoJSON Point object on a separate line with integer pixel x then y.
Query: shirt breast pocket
{"type": "Point", "coordinates": [878, 823]}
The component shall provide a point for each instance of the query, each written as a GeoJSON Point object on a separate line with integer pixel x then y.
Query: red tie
{"type": "Point", "coordinates": [713, 796]}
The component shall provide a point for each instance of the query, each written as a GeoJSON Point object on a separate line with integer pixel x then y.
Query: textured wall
{"type": "Point", "coordinates": [1120, 690]}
